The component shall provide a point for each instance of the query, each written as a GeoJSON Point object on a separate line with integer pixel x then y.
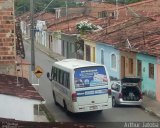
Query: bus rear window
{"type": "Point", "coordinates": [90, 77]}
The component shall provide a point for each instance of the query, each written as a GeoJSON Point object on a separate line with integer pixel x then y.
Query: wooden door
{"type": "Point", "coordinates": [122, 66]}
{"type": "Point", "coordinates": [88, 53]}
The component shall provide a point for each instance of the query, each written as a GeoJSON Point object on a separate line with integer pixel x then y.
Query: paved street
{"type": "Point", "coordinates": [120, 114]}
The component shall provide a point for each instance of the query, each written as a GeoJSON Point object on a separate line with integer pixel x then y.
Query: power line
{"type": "Point", "coordinates": [47, 6]}
{"type": "Point", "coordinates": [32, 33]}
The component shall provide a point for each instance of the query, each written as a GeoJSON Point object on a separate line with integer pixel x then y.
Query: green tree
{"type": "Point", "coordinates": [22, 6]}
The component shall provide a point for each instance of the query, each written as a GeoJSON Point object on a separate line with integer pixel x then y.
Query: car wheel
{"type": "Point", "coordinates": [54, 97]}
{"type": "Point", "coordinates": [114, 104]}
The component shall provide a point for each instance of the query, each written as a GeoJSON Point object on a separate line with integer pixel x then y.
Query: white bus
{"type": "Point", "coordinates": [80, 86]}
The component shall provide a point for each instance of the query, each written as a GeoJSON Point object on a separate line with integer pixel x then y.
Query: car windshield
{"type": "Point", "coordinates": [90, 76]}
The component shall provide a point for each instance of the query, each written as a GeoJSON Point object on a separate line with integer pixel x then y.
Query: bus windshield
{"type": "Point", "coordinates": [90, 77]}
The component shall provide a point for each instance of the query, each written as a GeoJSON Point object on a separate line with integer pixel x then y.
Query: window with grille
{"type": "Point", "coordinates": [139, 68]}
{"type": "Point", "coordinates": [130, 66]}
{"type": "Point", "coordinates": [88, 53]}
{"type": "Point", "coordinates": [113, 61]}
{"type": "Point", "coordinates": [102, 56]}
{"type": "Point", "coordinates": [151, 71]}
{"type": "Point", "coordinates": [102, 14]}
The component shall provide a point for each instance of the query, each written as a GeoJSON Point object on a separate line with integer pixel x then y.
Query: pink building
{"type": "Point", "coordinates": [158, 80]}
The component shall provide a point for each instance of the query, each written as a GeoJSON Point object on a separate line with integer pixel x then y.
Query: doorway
{"type": "Point", "coordinates": [122, 67]}
{"type": "Point", "coordinates": [139, 71]}
{"type": "Point", "coordinates": [88, 53]}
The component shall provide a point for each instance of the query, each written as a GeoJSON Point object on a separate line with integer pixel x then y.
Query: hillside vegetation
{"type": "Point", "coordinates": [22, 6]}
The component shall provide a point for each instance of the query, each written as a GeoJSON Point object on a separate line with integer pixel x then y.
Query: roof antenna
{"type": "Point", "coordinates": [128, 43]}
{"type": "Point", "coordinates": [117, 12]}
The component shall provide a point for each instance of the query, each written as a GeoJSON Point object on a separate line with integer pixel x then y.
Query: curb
{"type": "Point", "coordinates": [27, 40]}
{"type": "Point", "coordinates": [150, 111]}
{"type": "Point", "coordinates": [38, 47]}
{"type": "Point", "coordinates": [49, 116]}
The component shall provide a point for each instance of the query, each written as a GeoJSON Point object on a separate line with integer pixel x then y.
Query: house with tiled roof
{"type": "Point", "coordinates": [43, 20]}
{"type": "Point", "coordinates": [66, 45]}
{"type": "Point", "coordinates": [131, 48]}
{"type": "Point", "coordinates": [113, 15]}
{"type": "Point", "coordinates": [66, 26]}
{"type": "Point", "coordinates": [65, 23]}
{"type": "Point", "coordinates": [122, 12]}
{"type": "Point", "coordinates": [18, 98]}
{"type": "Point", "coordinates": [106, 41]}
{"type": "Point", "coordinates": [137, 57]}
{"type": "Point", "coordinates": [42, 38]}
{"type": "Point", "coordinates": [144, 43]}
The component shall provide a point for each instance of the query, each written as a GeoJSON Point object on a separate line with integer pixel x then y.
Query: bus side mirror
{"type": "Point", "coordinates": [48, 76]}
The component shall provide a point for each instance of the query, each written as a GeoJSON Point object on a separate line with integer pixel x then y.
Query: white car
{"type": "Point", "coordinates": [126, 92]}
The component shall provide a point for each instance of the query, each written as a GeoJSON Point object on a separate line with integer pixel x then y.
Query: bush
{"type": "Point", "coordinates": [83, 26]}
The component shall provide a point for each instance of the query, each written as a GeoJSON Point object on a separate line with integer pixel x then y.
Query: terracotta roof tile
{"type": "Point", "coordinates": [70, 23]}
{"type": "Point", "coordinates": [143, 35]}
{"type": "Point", "coordinates": [45, 16]}
{"type": "Point", "coordinates": [8, 86]}
{"type": "Point", "coordinates": [26, 124]}
{"type": "Point", "coordinates": [25, 16]}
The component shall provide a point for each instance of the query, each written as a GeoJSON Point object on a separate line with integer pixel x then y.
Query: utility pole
{"type": "Point", "coordinates": [66, 2]}
{"type": "Point", "coordinates": [32, 36]}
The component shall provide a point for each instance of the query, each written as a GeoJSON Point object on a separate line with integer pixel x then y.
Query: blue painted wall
{"type": "Point", "coordinates": [108, 50]}
{"type": "Point", "coordinates": [148, 84]}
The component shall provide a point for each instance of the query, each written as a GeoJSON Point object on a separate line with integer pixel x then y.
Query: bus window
{"type": "Point", "coordinates": [90, 76]}
{"type": "Point", "coordinates": [57, 70]}
{"type": "Point", "coordinates": [61, 77]}
{"type": "Point", "coordinates": [64, 79]}
{"type": "Point", "coordinates": [52, 73]}
{"type": "Point", "coordinates": [68, 80]}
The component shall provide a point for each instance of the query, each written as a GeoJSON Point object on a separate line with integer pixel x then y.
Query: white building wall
{"type": "Point", "coordinates": [23, 27]}
{"type": "Point", "coordinates": [41, 36]}
{"type": "Point", "coordinates": [57, 46]}
{"type": "Point", "coordinates": [17, 108]}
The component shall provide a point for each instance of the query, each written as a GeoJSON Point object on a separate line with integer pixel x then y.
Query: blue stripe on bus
{"type": "Point", "coordinates": [92, 92]}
